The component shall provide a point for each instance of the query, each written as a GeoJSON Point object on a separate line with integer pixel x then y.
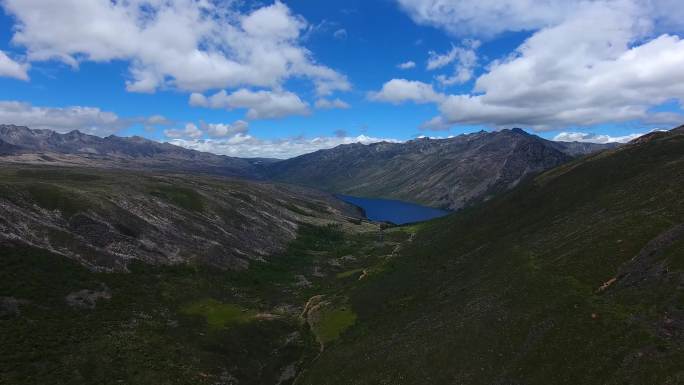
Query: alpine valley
{"type": "Point", "coordinates": [341, 192]}
{"type": "Point", "coordinates": [126, 260]}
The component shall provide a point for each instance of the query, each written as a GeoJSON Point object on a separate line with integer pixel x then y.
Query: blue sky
{"type": "Point", "coordinates": [262, 68]}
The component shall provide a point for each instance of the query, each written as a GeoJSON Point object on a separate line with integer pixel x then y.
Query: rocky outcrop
{"type": "Point", "coordinates": [106, 219]}
{"type": "Point", "coordinates": [87, 299]}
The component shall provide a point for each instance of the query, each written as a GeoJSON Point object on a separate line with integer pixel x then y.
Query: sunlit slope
{"type": "Point", "coordinates": [576, 277]}
{"type": "Point", "coordinates": [104, 218]}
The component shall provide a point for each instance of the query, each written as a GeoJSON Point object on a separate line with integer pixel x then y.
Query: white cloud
{"type": "Point", "coordinates": [215, 130]}
{"type": "Point", "coordinates": [190, 131]}
{"type": "Point", "coordinates": [235, 140]}
{"type": "Point", "coordinates": [401, 90]}
{"type": "Point", "coordinates": [340, 34]}
{"type": "Point", "coordinates": [186, 44]}
{"type": "Point", "coordinates": [224, 130]}
{"type": "Point", "coordinates": [325, 104]}
{"type": "Point", "coordinates": [89, 120]}
{"type": "Point", "coordinates": [158, 120]}
{"type": "Point", "coordinates": [457, 53]}
{"type": "Point", "coordinates": [587, 63]}
{"type": "Point", "coordinates": [243, 145]}
{"type": "Point", "coordinates": [12, 69]}
{"type": "Point", "coordinates": [465, 58]}
{"type": "Point", "coordinates": [437, 123]}
{"type": "Point", "coordinates": [594, 138]}
{"type": "Point", "coordinates": [487, 18]}
{"type": "Point", "coordinates": [259, 104]}
{"type": "Point", "coordinates": [153, 122]}
{"type": "Point", "coordinates": [407, 65]}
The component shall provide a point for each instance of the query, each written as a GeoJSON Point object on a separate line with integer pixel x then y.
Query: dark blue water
{"type": "Point", "coordinates": [397, 212]}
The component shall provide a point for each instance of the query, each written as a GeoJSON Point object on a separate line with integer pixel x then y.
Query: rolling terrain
{"type": "Point", "coordinates": [113, 276]}
{"type": "Point", "coordinates": [106, 218]}
{"type": "Point", "coordinates": [447, 173]}
{"type": "Point", "coordinates": [575, 277]}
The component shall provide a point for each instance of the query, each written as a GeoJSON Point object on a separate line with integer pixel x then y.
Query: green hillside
{"type": "Point", "coordinates": [576, 277]}
{"type": "Point", "coordinates": [189, 324]}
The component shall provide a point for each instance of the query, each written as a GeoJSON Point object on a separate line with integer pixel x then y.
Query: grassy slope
{"type": "Point", "coordinates": [187, 324]}
{"type": "Point", "coordinates": [508, 292]}
{"type": "Point", "coordinates": [181, 324]}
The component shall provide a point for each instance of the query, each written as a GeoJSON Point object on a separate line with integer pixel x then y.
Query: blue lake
{"type": "Point", "coordinates": [397, 212]}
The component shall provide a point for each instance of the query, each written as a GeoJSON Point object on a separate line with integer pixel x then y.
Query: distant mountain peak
{"type": "Point", "coordinates": [116, 151]}
{"type": "Point", "coordinates": [450, 173]}
{"type": "Point", "coordinates": [517, 130]}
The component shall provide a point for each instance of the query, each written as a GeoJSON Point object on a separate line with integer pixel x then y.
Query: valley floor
{"type": "Point", "coordinates": [63, 324]}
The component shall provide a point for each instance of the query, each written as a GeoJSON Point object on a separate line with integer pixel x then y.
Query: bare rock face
{"type": "Point", "coordinates": [107, 218]}
{"type": "Point", "coordinates": [448, 173]}
{"type": "Point", "coordinates": [87, 299]}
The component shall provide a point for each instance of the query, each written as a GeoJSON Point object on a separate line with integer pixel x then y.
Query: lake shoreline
{"type": "Point", "coordinates": [392, 211]}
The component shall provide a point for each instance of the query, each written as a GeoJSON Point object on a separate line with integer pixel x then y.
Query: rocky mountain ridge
{"type": "Point", "coordinates": [449, 173]}
{"type": "Point", "coordinates": [25, 145]}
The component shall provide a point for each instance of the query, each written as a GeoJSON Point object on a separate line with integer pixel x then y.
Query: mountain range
{"type": "Point", "coordinates": [447, 173]}
{"type": "Point", "coordinates": [22, 144]}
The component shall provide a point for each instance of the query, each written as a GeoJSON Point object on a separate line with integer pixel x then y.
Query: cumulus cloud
{"type": "Point", "coordinates": [224, 130]}
{"type": "Point", "coordinates": [465, 59]}
{"type": "Point", "coordinates": [488, 18]}
{"type": "Point", "coordinates": [325, 104]}
{"type": "Point", "coordinates": [587, 63]}
{"type": "Point", "coordinates": [554, 83]}
{"type": "Point", "coordinates": [594, 138]}
{"type": "Point", "coordinates": [185, 44]}
{"type": "Point", "coordinates": [89, 120]}
{"type": "Point", "coordinates": [190, 131]}
{"type": "Point", "coordinates": [12, 69]}
{"type": "Point", "coordinates": [401, 90]}
{"type": "Point", "coordinates": [235, 140]}
{"type": "Point", "coordinates": [259, 104]}
{"type": "Point", "coordinates": [407, 65]}
{"type": "Point", "coordinates": [158, 120]}
{"type": "Point", "coordinates": [213, 130]}
{"type": "Point", "coordinates": [244, 145]}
